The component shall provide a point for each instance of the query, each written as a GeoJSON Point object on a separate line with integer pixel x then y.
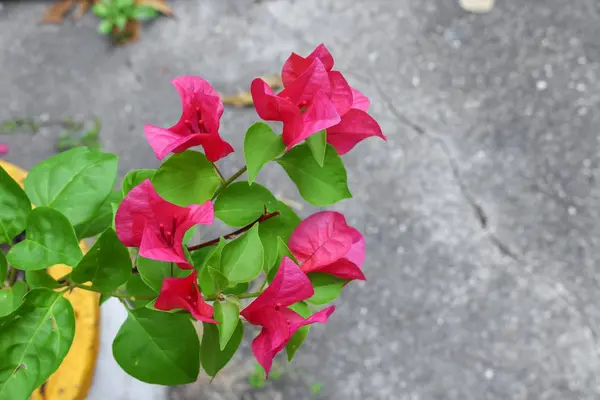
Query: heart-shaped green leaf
{"type": "Point", "coordinates": [40, 279]}
{"type": "Point", "coordinates": [317, 144]}
{"type": "Point", "coordinates": [14, 208]}
{"type": "Point", "coordinates": [296, 341]}
{"type": "Point", "coordinates": [102, 218]}
{"type": "Point", "coordinates": [154, 272]}
{"type": "Point", "coordinates": [242, 258]}
{"type": "Point", "coordinates": [207, 261]}
{"type": "Point", "coordinates": [107, 265]}
{"type": "Point", "coordinates": [50, 240]}
{"type": "Point", "coordinates": [11, 298]}
{"type": "Point", "coordinates": [240, 204]}
{"type": "Point", "coordinates": [228, 314]}
{"type": "Point", "coordinates": [213, 358]}
{"type": "Point", "coordinates": [327, 288]}
{"type": "Point", "coordinates": [158, 347]}
{"type": "Point", "coordinates": [320, 186]}
{"type": "Point", "coordinates": [75, 182]}
{"type": "Point", "coordinates": [186, 178]}
{"type": "Point", "coordinates": [138, 290]}
{"type": "Point", "coordinates": [280, 226]}
{"type": "Point", "coordinates": [134, 178]}
{"type": "Point", "coordinates": [261, 145]}
{"type": "Point", "coordinates": [34, 339]}
{"type": "Point", "coordinates": [3, 267]}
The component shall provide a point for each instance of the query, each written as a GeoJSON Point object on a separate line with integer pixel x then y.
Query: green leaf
{"type": "Point", "coordinates": [240, 204]}
{"type": "Point", "coordinates": [105, 27]}
{"type": "Point", "coordinates": [296, 341]}
{"type": "Point", "coordinates": [6, 302]}
{"type": "Point", "coordinates": [75, 182]}
{"type": "Point", "coordinates": [134, 178]}
{"type": "Point", "coordinates": [115, 208]}
{"type": "Point", "coordinates": [144, 13]}
{"type": "Point", "coordinates": [50, 240]}
{"type": "Point", "coordinates": [124, 3]}
{"type": "Point", "coordinates": [157, 347]}
{"type": "Point", "coordinates": [103, 298]}
{"type": "Point", "coordinates": [200, 257]}
{"type": "Point", "coordinates": [14, 208]}
{"type": "Point", "coordinates": [327, 288]}
{"type": "Point", "coordinates": [136, 288]}
{"type": "Point", "coordinates": [189, 235]}
{"type": "Point", "coordinates": [154, 272]}
{"type": "Point", "coordinates": [317, 143]}
{"type": "Point", "coordinates": [213, 358]}
{"type": "Point", "coordinates": [220, 281]}
{"type": "Point", "coordinates": [186, 178]}
{"type": "Point", "coordinates": [3, 268]}
{"type": "Point", "coordinates": [107, 265]}
{"type": "Point", "coordinates": [280, 226]}
{"type": "Point", "coordinates": [11, 298]}
{"type": "Point", "coordinates": [40, 279]}
{"type": "Point", "coordinates": [320, 186]}
{"type": "Point", "coordinates": [34, 340]}
{"type": "Point", "coordinates": [101, 10]}
{"type": "Point", "coordinates": [238, 289]}
{"type": "Point", "coordinates": [261, 145]}
{"type": "Point", "coordinates": [282, 251]}
{"type": "Point", "coordinates": [121, 21]}
{"type": "Point", "coordinates": [228, 314]}
{"type": "Point", "coordinates": [102, 218]}
{"type": "Point", "coordinates": [242, 258]}
{"type": "Point", "coordinates": [19, 291]}
{"type": "Point", "coordinates": [210, 262]}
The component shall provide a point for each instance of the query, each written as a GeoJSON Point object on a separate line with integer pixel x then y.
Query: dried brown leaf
{"type": "Point", "coordinates": [158, 5]}
{"type": "Point", "coordinates": [244, 99]}
{"type": "Point", "coordinates": [273, 80]}
{"type": "Point", "coordinates": [55, 14]}
{"type": "Point", "coordinates": [82, 8]}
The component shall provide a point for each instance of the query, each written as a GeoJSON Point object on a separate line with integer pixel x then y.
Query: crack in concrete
{"type": "Point", "coordinates": [569, 297]}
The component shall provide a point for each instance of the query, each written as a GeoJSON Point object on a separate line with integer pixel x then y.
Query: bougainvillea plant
{"type": "Point", "coordinates": [273, 271]}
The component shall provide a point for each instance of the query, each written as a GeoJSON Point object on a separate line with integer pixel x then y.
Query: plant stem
{"type": "Point", "coordinates": [231, 235]}
{"type": "Point", "coordinates": [219, 173]}
{"type": "Point", "coordinates": [229, 181]}
{"type": "Point", "coordinates": [12, 276]}
{"type": "Point", "coordinates": [118, 296]}
{"type": "Point", "coordinates": [239, 296]}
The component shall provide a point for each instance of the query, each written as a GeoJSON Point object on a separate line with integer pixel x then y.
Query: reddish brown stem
{"type": "Point", "coordinates": [231, 235]}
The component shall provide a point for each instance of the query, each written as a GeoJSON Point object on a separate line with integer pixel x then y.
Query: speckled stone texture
{"type": "Point", "coordinates": [480, 213]}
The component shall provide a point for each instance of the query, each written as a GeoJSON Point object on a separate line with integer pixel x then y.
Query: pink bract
{"type": "Point", "coordinates": [3, 148]}
{"type": "Point", "coordinates": [305, 106]}
{"type": "Point", "coordinates": [183, 293]}
{"type": "Point", "coordinates": [355, 124]}
{"type": "Point", "coordinates": [146, 220]}
{"type": "Point", "coordinates": [325, 243]}
{"type": "Point", "coordinates": [198, 125]}
{"type": "Point", "coordinates": [270, 310]}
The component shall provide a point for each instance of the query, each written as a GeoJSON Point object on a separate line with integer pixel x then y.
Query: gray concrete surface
{"type": "Point", "coordinates": [481, 212]}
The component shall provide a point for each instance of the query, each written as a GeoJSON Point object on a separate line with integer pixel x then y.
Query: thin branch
{"type": "Point", "coordinates": [231, 235]}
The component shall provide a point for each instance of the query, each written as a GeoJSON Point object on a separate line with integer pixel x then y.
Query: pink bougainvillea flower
{"type": "Point", "coordinates": [340, 91]}
{"type": "Point", "coordinates": [146, 220]}
{"type": "Point", "coordinates": [325, 243]}
{"type": "Point", "coordinates": [198, 125]}
{"type": "Point", "coordinates": [270, 310]}
{"type": "Point", "coordinates": [3, 148]}
{"type": "Point", "coordinates": [305, 106]}
{"type": "Point", "coordinates": [356, 124]}
{"type": "Point", "coordinates": [184, 293]}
